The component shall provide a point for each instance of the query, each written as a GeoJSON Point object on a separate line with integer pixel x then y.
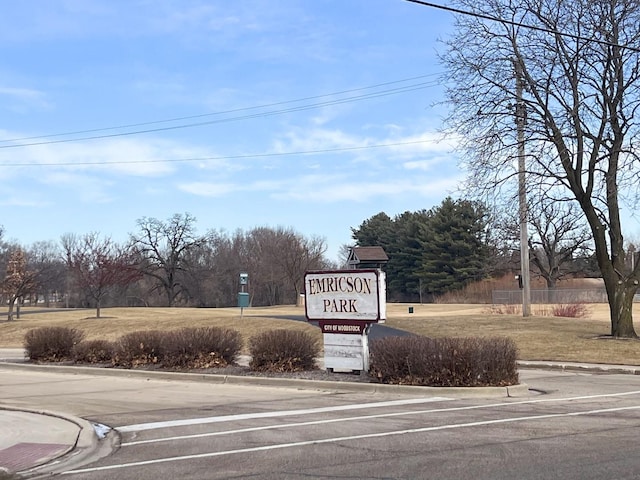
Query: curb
{"type": "Point", "coordinates": [80, 452]}
{"type": "Point", "coordinates": [296, 383]}
{"type": "Point", "coordinates": [580, 367]}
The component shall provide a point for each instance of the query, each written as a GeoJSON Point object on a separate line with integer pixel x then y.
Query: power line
{"type": "Point", "coordinates": [522, 25]}
{"type": "Point", "coordinates": [382, 93]}
{"type": "Point", "coordinates": [225, 157]}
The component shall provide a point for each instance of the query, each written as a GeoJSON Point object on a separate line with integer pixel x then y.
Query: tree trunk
{"type": "Point", "coordinates": [98, 309]}
{"type": "Point", "coordinates": [169, 292]}
{"type": "Point", "coordinates": [621, 309]}
{"type": "Point", "coordinates": [12, 302]}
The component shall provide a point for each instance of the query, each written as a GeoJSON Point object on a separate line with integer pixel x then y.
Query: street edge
{"type": "Point", "coordinates": [277, 382]}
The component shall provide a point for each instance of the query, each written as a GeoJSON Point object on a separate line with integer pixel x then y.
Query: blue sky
{"type": "Point", "coordinates": [307, 114]}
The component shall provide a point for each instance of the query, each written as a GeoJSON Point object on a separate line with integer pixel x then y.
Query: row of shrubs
{"type": "Point", "coordinates": [410, 360]}
{"type": "Point", "coordinates": [186, 348]}
{"type": "Point", "coordinates": [445, 362]}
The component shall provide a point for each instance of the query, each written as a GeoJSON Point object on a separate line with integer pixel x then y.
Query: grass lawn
{"type": "Point", "coordinates": [538, 337]}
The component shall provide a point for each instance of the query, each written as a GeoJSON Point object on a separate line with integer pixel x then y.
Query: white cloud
{"type": "Point", "coordinates": [87, 189]}
{"type": "Point", "coordinates": [424, 165]}
{"type": "Point", "coordinates": [21, 201]}
{"type": "Point", "coordinates": [329, 188]}
{"type": "Point", "coordinates": [23, 93]}
{"type": "Point", "coordinates": [20, 99]}
{"type": "Point", "coordinates": [428, 164]}
{"type": "Point", "coordinates": [119, 156]}
{"type": "Point", "coordinates": [424, 144]}
{"type": "Point", "coordinates": [316, 139]}
{"type": "Point", "coordinates": [216, 189]}
{"type": "Point", "coordinates": [331, 191]}
{"type": "Point", "coordinates": [205, 189]}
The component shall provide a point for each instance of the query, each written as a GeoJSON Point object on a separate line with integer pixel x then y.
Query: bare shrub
{"type": "Point", "coordinates": [204, 347]}
{"type": "Point", "coordinates": [445, 362]}
{"type": "Point", "coordinates": [139, 348]}
{"type": "Point", "coordinates": [572, 310]}
{"type": "Point", "coordinates": [505, 309]}
{"type": "Point", "coordinates": [51, 344]}
{"type": "Point", "coordinates": [283, 351]}
{"type": "Point", "coordinates": [93, 351]}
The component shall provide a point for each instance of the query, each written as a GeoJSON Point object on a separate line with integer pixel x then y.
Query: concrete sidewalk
{"type": "Point", "coordinates": [31, 440]}
{"type": "Point", "coordinates": [580, 367]}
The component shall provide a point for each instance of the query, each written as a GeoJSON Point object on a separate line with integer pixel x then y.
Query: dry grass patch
{"type": "Point", "coordinates": [116, 322]}
{"type": "Point", "coordinates": [537, 337]}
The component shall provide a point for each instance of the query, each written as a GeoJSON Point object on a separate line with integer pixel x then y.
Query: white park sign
{"type": "Point", "coordinates": [345, 295]}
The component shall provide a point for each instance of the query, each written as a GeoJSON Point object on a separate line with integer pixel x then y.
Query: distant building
{"type": "Point", "coordinates": [367, 257]}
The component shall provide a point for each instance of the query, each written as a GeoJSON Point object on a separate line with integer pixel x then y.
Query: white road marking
{"type": "Point", "coordinates": [371, 417]}
{"type": "Point", "coordinates": [285, 413]}
{"type": "Point", "coordinates": [351, 437]}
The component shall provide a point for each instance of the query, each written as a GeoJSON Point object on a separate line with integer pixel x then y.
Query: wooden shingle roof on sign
{"type": "Point", "coordinates": [367, 256]}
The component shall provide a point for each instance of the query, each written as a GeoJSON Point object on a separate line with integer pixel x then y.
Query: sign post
{"type": "Point", "coordinates": [345, 303]}
{"type": "Point", "coordinates": [243, 296]}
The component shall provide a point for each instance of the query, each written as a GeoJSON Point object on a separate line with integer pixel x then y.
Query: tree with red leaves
{"type": "Point", "coordinates": [97, 265]}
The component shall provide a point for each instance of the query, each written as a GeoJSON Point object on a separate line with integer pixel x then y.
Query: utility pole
{"type": "Point", "coordinates": [521, 118]}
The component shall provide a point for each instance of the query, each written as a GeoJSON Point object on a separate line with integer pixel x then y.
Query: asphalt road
{"type": "Point", "coordinates": [582, 427]}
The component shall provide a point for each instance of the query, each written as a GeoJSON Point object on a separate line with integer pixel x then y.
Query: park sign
{"type": "Point", "coordinates": [358, 295]}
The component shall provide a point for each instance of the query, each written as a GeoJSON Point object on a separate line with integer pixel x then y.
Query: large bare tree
{"type": "Point", "coordinates": [163, 247]}
{"type": "Point", "coordinates": [558, 238]}
{"type": "Point", "coordinates": [569, 70]}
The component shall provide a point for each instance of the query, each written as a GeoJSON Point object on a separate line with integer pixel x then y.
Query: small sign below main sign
{"type": "Point", "coordinates": [344, 328]}
{"type": "Point", "coordinates": [345, 295]}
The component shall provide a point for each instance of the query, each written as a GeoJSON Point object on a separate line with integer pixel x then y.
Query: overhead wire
{"type": "Point", "coordinates": [522, 24]}
{"type": "Point", "coordinates": [26, 141]}
{"type": "Point", "coordinates": [223, 157]}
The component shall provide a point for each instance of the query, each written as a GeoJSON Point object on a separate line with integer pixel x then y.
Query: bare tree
{"type": "Point", "coordinates": [230, 258]}
{"type": "Point", "coordinates": [343, 256]}
{"type": "Point", "coordinates": [559, 236]}
{"type": "Point", "coordinates": [162, 247]}
{"type": "Point", "coordinates": [277, 258]}
{"type": "Point", "coordinates": [268, 278]}
{"type": "Point", "coordinates": [18, 281]}
{"type": "Point", "coordinates": [579, 73]}
{"type": "Point", "coordinates": [47, 259]}
{"type": "Point", "coordinates": [209, 272]}
{"type": "Point", "coordinates": [98, 264]}
{"type": "Point", "coordinates": [299, 254]}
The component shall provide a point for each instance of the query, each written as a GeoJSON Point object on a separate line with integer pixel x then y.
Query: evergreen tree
{"type": "Point", "coordinates": [399, 239]}
{"type": "Point", "coordinates": [403, 270]}
{"type": "Point", "coordinates": [455, 249]}
{"type": "Point", "coordinates": [429, 251]}
{"type": "Point", "coordinates": [376, 231]}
